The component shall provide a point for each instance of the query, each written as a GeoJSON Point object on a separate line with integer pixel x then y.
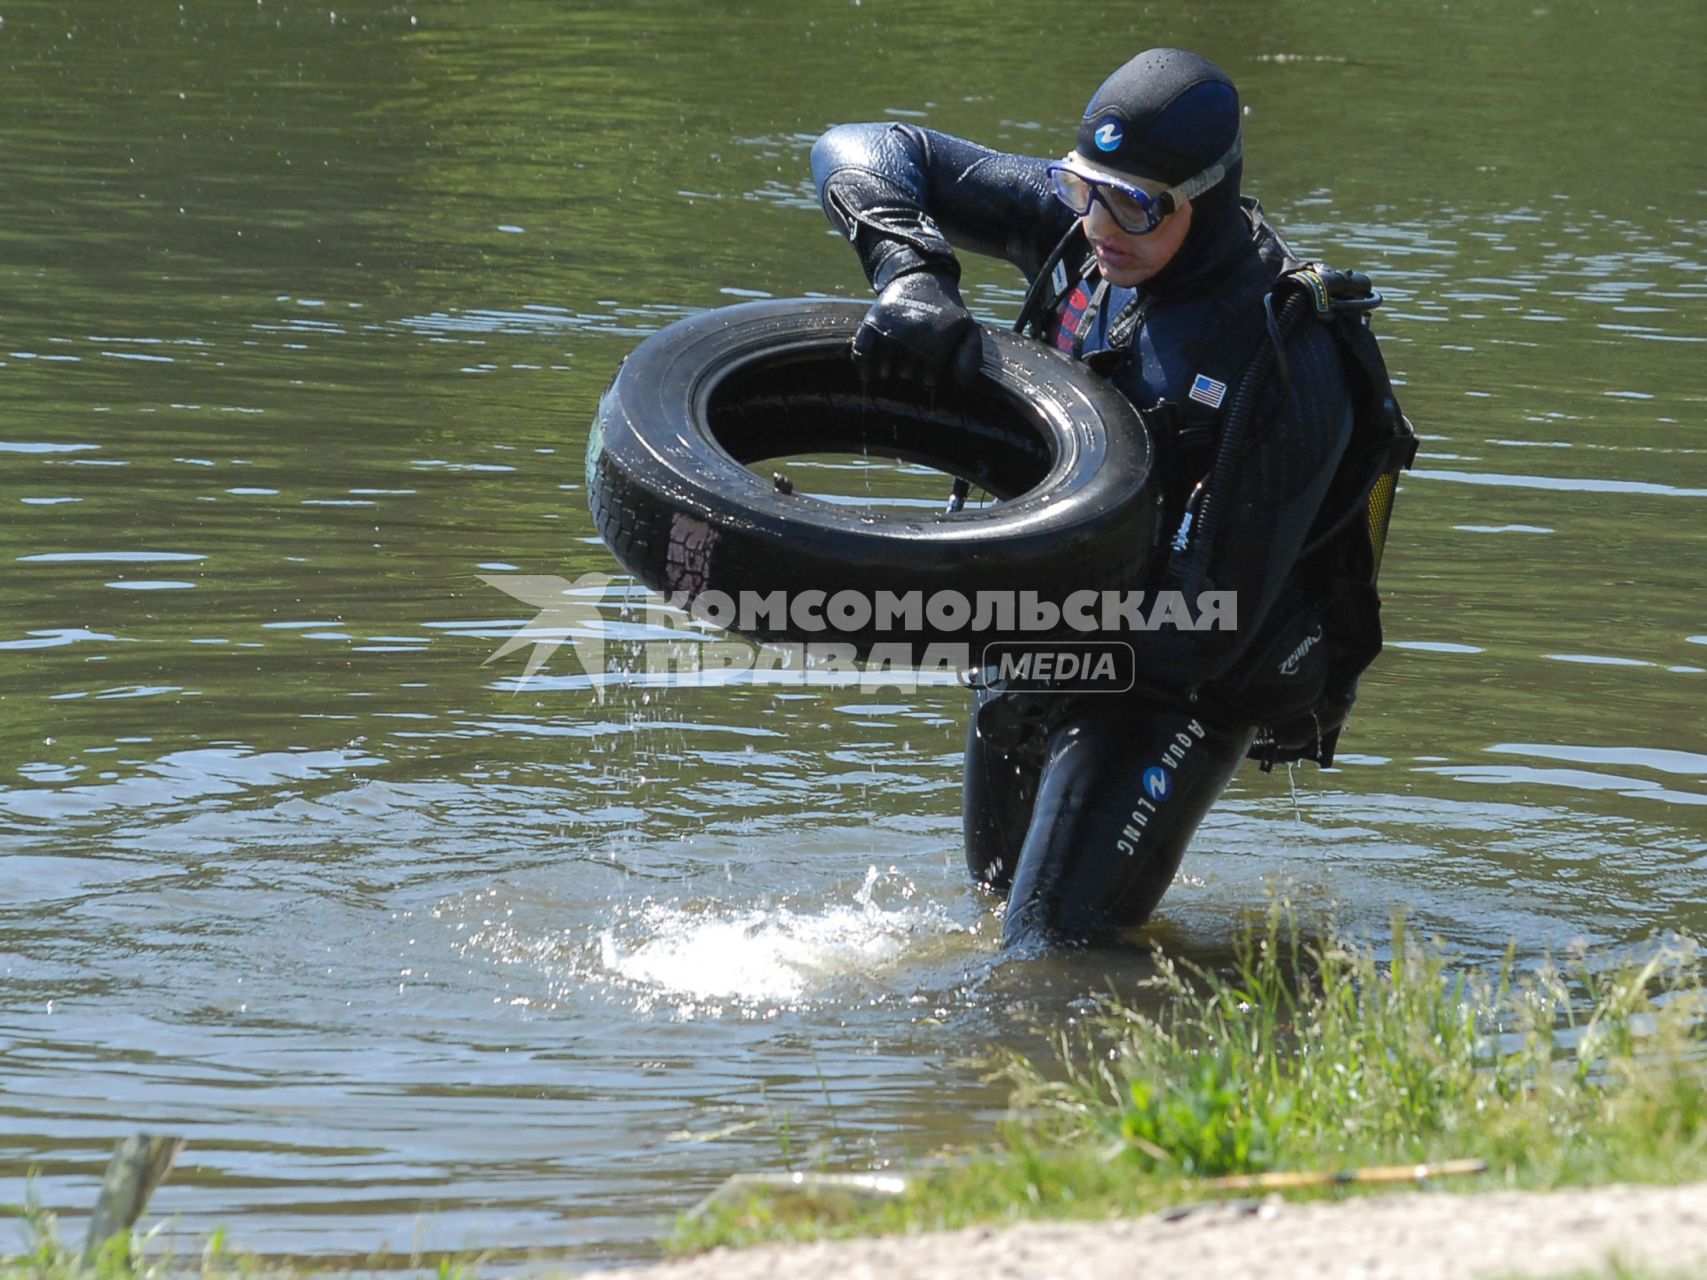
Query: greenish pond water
{"type": "Point", "coordinates": [304, 313]}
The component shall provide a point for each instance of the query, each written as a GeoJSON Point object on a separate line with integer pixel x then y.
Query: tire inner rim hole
{"type": "Point", "coordinates": [812, 407]}
{"type": "Point", "coordinates": [869, 481]}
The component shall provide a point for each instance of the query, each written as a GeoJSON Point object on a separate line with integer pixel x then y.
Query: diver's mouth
{"type": "Point", "coordinates": [1109, 256]}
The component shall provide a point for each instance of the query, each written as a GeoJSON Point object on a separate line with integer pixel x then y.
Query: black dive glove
{"type": "Point", "coordinates": [919, 329]}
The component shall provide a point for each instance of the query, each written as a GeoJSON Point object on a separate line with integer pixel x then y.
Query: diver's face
{"type": "Point", "coordinates": [1128, 259]}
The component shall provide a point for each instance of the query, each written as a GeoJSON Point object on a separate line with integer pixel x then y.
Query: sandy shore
{"type": "Point", "coordinates": [1416, 1235]}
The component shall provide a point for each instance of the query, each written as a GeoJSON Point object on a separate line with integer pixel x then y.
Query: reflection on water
{"type": "Point", "coordinates": [304, 317]}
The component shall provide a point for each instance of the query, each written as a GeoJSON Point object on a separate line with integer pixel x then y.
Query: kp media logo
{"type": "Point", "coordinates": [1061, 666]}
{"type": "Point", "coordinates": [567, 611]}
{"type": "Point", "coordinates": [699, 640]}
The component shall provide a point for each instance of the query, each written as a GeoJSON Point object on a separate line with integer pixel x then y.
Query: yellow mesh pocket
{"type": "Point", "coordinates": [1380, 512]}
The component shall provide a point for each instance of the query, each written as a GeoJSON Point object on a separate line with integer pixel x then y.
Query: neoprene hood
{"type": "Point", "coordinates": [1166, 115]}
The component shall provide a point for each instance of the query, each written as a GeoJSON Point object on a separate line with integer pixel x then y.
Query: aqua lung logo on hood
{"type": "Point", "coordinates": [1108, 136]}
{"type": "Point", "coordinates": [1157, 784]}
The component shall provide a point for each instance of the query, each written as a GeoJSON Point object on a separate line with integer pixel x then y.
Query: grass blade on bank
{"type": "Point", "coordinates": [1307, 1053]}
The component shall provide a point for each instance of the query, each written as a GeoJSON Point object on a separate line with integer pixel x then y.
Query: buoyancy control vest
{"type": "Point", "coordinates": [1297, 680]}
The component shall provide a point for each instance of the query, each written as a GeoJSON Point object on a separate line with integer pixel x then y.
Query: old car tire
{"type": "Point", "coordinates": [692, 409]}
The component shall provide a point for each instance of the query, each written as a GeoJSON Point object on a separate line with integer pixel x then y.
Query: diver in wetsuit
{"type": "Point", "coordinates": [1081, 808]}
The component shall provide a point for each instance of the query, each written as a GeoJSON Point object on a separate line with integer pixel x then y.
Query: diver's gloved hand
{"type": "Point", "coordinates": [919, 329]}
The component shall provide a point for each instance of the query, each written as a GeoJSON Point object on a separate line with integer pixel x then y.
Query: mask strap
{"type": "Point", "coordinates": [1198, 183]}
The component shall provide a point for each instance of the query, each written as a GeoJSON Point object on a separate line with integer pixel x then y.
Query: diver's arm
{"type": "Point", "coordinates": [1279, 490]}
{"type": "Point", "coordinates": [906, 197]}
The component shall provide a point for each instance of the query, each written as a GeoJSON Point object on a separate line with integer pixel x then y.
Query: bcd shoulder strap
{"type": "Point", "coordinates": [1383, 441]}
{"type": "Point", "coordinates": [1064, 268]}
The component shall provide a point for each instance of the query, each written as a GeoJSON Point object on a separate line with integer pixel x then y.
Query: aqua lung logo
{"type": "Point", "coordinates": [1309, 642]}
{"type": "Point", "coordinates": [1158, 784]}
{"type": "Point", "coordinates": [1048, 666]}
{"type": "Point", "coordinates": [1108, 136]}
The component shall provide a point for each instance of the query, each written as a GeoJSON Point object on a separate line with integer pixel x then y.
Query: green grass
{"type": "Point", "coordinates": [128, 1257]}
{"type": "Point", "coordinates": [123, 1257]}
{"type": "Point", "coordinates": [1313, 1055]}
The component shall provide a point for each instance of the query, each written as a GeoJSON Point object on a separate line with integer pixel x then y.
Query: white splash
{"type": "Point", "coordinates": [767, 955]}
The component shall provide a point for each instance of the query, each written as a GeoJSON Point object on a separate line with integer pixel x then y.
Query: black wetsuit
{"type": "Point", "coordinates": [1082, 806]}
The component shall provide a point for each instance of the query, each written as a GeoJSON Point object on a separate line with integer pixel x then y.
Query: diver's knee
{"type": "Point", "coordinates": [997, 794]}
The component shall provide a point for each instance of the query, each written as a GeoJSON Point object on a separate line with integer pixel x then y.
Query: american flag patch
{"type": "Point", "coordinates": [1205, 390]}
